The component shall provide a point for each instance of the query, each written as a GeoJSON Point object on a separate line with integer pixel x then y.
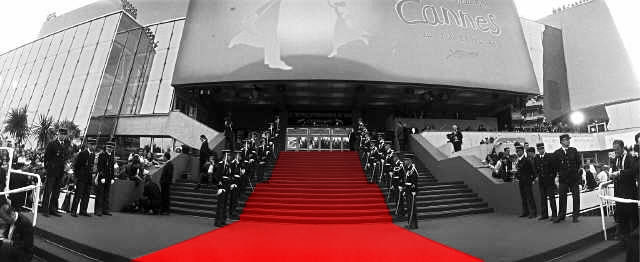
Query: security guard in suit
{"type": "Point", "coordinates": [567, 162]}
{"type": "Point", "coordinates": [526, 174]}
{"type": "Point", "coordinates": [224, 182]}
{"type": "Point", "coordinates": [83, 169]}
{"type": "Point", "coordinates": [411, 187]}
{"type": "Point", "coordinates": [625, 175]}
{"type": "Point", "coordinates": [54, 162]}
{"type": "Point", "coordinates": [546, 182]}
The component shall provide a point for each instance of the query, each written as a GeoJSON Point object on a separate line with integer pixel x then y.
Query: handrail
{"type": "Point", "coordinates": [35, 188]}
{"type": "Point", "coordinates": [603, 197]}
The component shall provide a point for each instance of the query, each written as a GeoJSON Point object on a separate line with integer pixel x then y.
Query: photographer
{"type": "Point", "coordinates": [455, 138]}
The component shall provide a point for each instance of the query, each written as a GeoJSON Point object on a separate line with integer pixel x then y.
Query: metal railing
{"type": "Point", "coordinates": [36, 188]}
{"type": "Point", "coordinates": [607, 201]}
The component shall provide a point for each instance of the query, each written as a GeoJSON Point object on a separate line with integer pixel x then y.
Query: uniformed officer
{"type": "Point", "coordinates": [104, 179]}
{"type": "Point", "coordinates": [567, 163]}
{"type": "Point", "coordinates": [234, 188]}
{"type": "Point", "coordinates": [411, 185]}
{"type": "Point", "coordinates": [54, 162]}
{"type": "Point", "coordinates": [83, 168]}
{"type": "Point", "coordinates": [224, 181]}
{"type": "Point", "coordinates": [546, 182]}
{"type": "Point", "coordinates": [228, 133]}
{"type": "Point", "coordinates": [525, 173]}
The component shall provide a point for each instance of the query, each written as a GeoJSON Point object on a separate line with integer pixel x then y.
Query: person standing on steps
{"type": "Point", "coordinates": [228, 133]}
{"type": "Point", "coordinates": [546, 182]}
{"type": "Point", "coordinates": [567, 163]}
{"type": "Point", "coordinates": [224, 179]}
{"type": "Point", "coordinates": [455, 138]}
{"type": "Point", "coordinates": [411, 185]}
{"type": "Point", "coordinates": [205, 152]}
{"type": "Point", "coordinates": [165, 184]}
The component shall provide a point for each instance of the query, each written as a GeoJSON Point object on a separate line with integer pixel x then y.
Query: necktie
{"type": "Point", "coordinates": [10, 235]}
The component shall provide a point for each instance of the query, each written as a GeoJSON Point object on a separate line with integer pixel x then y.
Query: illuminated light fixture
{"type": "Point", "coordinates": [577, 118]}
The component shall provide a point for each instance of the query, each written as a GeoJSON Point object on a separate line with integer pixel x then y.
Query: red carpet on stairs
{"type": "Point", "coordinates": [317, 206]}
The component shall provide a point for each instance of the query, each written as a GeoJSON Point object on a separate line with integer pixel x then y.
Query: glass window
{"type": "Point", "coordinates": [81, 34]}
{"type": "Point", "coordinates": [124, 69]}
{"type": "Point", "coordinates": [149, 98]}
{"type": "Point", "coordinates": [73, 95]}
{"type": "Point", "coordinates": [100, 58]}
{"type": "Point", "coordinates": [35, 50]}
{"type": "Point", "coordinates": [44, 49]}
{"type": "Point", "coordinates": [26, 96]}
{"type": "Point", "coordinates": [158, 65]}
{"type": "Point", "coordinates": [16, 58]}
{"type": "Point", "coordinates": [163, 35]}
{"type": "Point", "coordinates": [70, 64]}
{"type": "Point", "coordinates": [58, 99]}
{"type": "Point", "coordinates": [103, 95]}
{"type": "Point", "coordinates": [165, 95]}
{"type": "Point", "coordinates": [85, 60]}
{"type": "Point", "coordinates": [177, 33]}
{"type": "Point", "coordinates": [67, 39]}
{"type": "Point", "coordinates": [86, 100]}
{"type": "Point", "coordinates": [26, 51]}
{"type": "Point", "coordinates": [55, 45]}
{"type": "Point", "coordinates": [11, 93]}
{"type": "Point", "coordinates": [127, 24]}
{"type": "Point", "coordinates": [94, 32]}
{"type": "Point", "coordinates": [22, 83]}
{"type": "Point", "coordinates": [5, 89]}
{"type": "Point", "coordinates": [39, 88]}
{"type": "Point", "coordinates": [136, 77]}
{"type": "Point", "coordinates": [109, 75]}
{"type": "Point", "coordinates": [109, 27]}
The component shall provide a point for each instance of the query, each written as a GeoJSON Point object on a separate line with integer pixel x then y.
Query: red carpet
{"type": "Point", "coordinates": [317, 206]}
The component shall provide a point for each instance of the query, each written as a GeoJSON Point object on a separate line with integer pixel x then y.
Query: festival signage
{"type": "Point", "coordinates": [468, 43]}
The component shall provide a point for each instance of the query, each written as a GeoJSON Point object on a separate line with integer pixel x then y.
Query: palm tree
{"type": "Point", "coordinates": [17, 125]}
{"type": "Point", "coordinates": [73, 130]}
{"type": "Point", "coordinates": [43, 130]}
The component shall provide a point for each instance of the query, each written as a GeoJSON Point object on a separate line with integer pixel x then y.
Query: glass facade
{"type": "Point", "coordinates": [92, 72]}
{"type": "Point", "coordinates": [57, 75]}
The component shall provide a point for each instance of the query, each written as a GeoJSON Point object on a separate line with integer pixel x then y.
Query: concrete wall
{"type": "Point", "coordinates": [503, 197]}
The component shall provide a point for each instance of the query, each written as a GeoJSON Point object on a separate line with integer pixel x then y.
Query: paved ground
{"type": "Point", "coordinates": [128, 235]}
{"type": "Point", "coordinates": [499, 237]}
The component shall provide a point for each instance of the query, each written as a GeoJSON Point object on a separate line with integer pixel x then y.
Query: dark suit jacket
{"type": "Point", "coordinates": [21, 249]}
{"type": "Point", "coordinates": [544, 169]}
{"type": "Point", "coordinates": [105, 166]}
{"type": "Point", "coordinates": [167, 174]}
{"type": "Point", "coordinates": [625, 184]}
{"type": "Point", "coordinates": [205, 152]}
{"type": "Point", "coordinates": [567, 165]}
{"type": "Point", "coordinates": [526, 172]}
{"type": "Point", "coordinates": [82, 166]}
{"type": "Point", "coordinates": [54, 158]}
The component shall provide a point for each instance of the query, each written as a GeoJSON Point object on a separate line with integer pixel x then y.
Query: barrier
{"type": "Point", "coordinates": [35, 188]}
{"type": "Point", "coordinates": [607, 201]}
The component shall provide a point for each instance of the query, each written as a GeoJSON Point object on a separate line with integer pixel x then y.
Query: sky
{"type": "Point", "coordinates": [21, 20]}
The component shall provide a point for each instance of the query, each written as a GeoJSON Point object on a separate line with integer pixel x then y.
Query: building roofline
{"type": "Point", "coordinates": [66, 28]}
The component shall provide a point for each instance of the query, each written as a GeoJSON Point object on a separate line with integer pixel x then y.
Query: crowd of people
{"type": "Point", "coordinates": [385, 167]}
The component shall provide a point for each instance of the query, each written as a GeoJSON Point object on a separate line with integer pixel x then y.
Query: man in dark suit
{"type": "Point", "coordinates": [105, 178]}
{"type": "Point", "coordinates": [205, 152]}
{"type": "Point", "coordinates": [455, 138]}
{"type": "Point", "coordinates": [228, 133]}
{"type": "Point", "coordinates": [546, 182]}
{"type": "Point", "coordinates": [54, 161]}
{"type": "Point", "coordinates": [17, 239]}
{"type": "Point", "coordinates": [525, 174]}
{"type": "Point", "coordinates": [82, 169]}
{"type": "Point", "coordinates": [624, 175]}
{"type": "Point", "coordinates": [567, 162]}
{"type": "Point", "coordinates": [165, 183]}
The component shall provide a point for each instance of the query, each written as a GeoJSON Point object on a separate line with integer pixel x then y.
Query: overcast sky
{"type": "Point", "coordinates": [21, 20]}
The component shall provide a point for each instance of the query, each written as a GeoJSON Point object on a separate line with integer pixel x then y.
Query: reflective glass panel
{"type": "Point", "coordinates": [163, 35]}
{"type": "Point", "coordinates": [85, 61]}
{"type": "Point", "coordinates": [86, 100]}
{"type": "Point", "coordinates": [158, 65]}
{"type": "Point", "coordinates": [124, 69]}
{"type": "Point", "coordinates": [44, 49]}
{"type": "Point", "coordinates": [100, 58]}
{"type": "Point", "coordinates": [177, 33]}
{"type": "Point", "coordinates": [58, 99]}
{"type": "Point", "coordinates": [81, 34]}
{"type": "Point", "coordinates": [109, 28]}
{"type": "Point", "coordinates": [94, 32]}
{"type": "Point", "coordinates": [73, 95]}
{"type": "Point", "coordinates": [149, 99]}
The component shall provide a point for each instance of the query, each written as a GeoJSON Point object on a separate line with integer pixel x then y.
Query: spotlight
{"type": "Point", "coordinates": [577, 118]}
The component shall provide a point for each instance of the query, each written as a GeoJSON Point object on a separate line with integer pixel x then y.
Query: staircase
{"type": "Point", "coordinates": [438, 199]}
{"type": "Point", "coordinates": [186, 200]}
{"type": "Point", "coordinates": [317, 188]}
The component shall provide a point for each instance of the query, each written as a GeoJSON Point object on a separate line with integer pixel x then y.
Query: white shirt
{"type": "Point", "coordinates": [603, 177]}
